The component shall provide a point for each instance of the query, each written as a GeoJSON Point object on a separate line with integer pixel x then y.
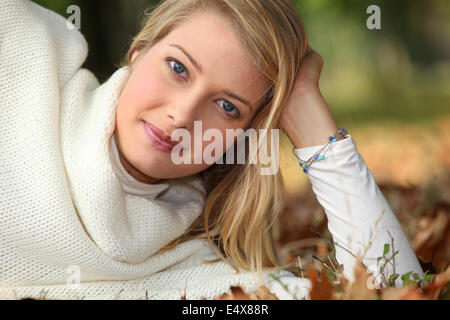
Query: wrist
{"type": "Point", "coordinates": [304, 131]}
{"type": "Point", "coordinates": [312, 139]}
{"type": "Point", "coordinates": [308, 121]}
{"type": "Point", "coordinates": [320, 154]}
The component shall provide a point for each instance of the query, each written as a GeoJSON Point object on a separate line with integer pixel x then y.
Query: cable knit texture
{"type": "Point", "coordinates": [61, 202]}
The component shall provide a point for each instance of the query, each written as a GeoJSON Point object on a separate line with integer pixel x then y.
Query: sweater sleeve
{"type": "Point", "coordinates": [359, 218]}
{"type": "Point", "coordinates": [33, 38]}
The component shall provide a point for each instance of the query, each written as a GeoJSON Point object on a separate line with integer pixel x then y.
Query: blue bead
{"type": "Point", "coordinates": [330, 138]}
{"type": "Point", "coordinates": [334, 140]}
{"type": "Point", "coordinates": [304, 170]}
{"type": "Point", "coordinates": [316, 157]}
{"type": "Point", "coordinates": [304, 165]}
{"type": "Point", "coordinates": [322, 157]}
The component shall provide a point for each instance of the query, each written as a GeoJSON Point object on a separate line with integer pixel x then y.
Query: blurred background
{"type": "Point", "coordinates": [390, 88]}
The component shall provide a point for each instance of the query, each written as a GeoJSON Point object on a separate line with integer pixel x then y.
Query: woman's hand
{"type": "Point", "coordinates": [306, 118]}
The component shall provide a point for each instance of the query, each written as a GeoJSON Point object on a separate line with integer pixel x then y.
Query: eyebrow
{"type": "Point", "coordinates": [200, 70]}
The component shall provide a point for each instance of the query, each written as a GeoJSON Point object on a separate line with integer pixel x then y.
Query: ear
{"type": "Point", "coordinates": [134, 55]}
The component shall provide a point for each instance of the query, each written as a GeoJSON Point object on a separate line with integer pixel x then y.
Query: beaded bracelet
{"type": "Point", "coordinates": [317, 156]}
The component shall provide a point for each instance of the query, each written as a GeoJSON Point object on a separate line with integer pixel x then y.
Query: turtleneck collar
{"type": "Point", "coordinates": [129, 184]}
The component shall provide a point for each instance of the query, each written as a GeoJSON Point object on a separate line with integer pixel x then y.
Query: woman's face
{"type": "Point", "coordinates": [198, 72]}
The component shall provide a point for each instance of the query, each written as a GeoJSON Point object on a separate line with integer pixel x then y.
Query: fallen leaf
{"type": "Point", "coordinates": [433, 235]}
{"type": "Point", "coordinates": [404, 293]}
{"type": "Point", "coordinates": [362, 288]}
{"type": "Point", "coordinates": [320, 290]}
{"type": "Point", "coordinates": [239, 293]}
{"type": "Point", "coordinates": [435, 286]}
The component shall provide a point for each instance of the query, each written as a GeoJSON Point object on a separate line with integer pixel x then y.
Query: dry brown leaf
{"type": "Point", "coordinates": [433, 289]}
{"type": "Point", "coordinates": [239, 293]}
{"type": "Point", "coordinates": [361, 288]}
{"type": "Point", "coordinates": [430, 234]}
{"type": "Point", "coordinates": [263, 293]}
{"type": "Point", "coordinates": [320, 290]}
{"type": "Point", "coordinates": [405, 293]}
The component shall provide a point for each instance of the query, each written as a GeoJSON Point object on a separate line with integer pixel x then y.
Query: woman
{"type": "Point", "coordinates": [92, 203]}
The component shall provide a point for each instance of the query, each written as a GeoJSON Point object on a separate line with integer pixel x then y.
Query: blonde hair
{"type": "Point", "coordinates": [241, 204]}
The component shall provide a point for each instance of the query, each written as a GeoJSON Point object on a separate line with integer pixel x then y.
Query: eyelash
{"type": "Point", "coordinates": [180, 78]}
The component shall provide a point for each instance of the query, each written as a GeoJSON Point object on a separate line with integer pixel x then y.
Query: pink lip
{"type": "Point", "coordinates": [158, 138]}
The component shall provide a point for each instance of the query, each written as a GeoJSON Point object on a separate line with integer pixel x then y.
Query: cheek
{"type": "Point", "coordinates": [145, 89]}
{"type": "Point", "coordinates": [227, 142]}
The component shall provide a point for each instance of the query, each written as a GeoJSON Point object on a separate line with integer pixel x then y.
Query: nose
{"type": "Point", "coordinates": [182, 112]}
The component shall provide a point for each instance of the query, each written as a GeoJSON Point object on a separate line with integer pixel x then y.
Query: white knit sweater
{"type": "Point", "coordinates": [67, 205]}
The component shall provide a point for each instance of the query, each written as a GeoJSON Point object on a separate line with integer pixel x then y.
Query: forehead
{"type": "Point", "coordinates": [211, 41]}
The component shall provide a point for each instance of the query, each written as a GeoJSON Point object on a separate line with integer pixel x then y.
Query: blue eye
{"type": "Point", "coordinates": [229, 108]}
{"type": "Point", "coordinates": [177, 67]}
